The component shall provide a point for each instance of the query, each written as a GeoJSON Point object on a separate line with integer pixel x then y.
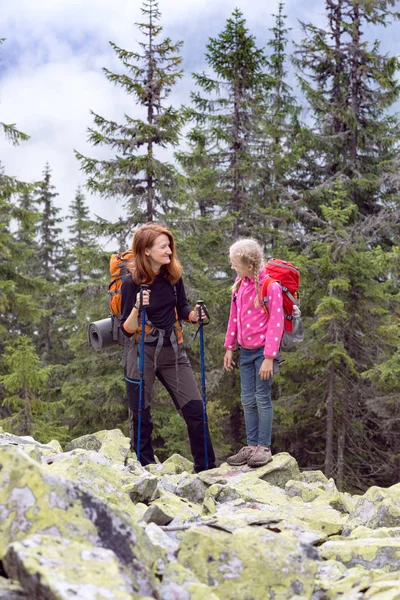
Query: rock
{"type": "Point", "coordinates": [184, 485]}
{"type": "Point", "coordinates": [112, 444]}
{"type": "Point", "coordinates": [169, 506]}
{"type": "Point", "coordinates": [370, 553]}
{"type": "Point", "coordinates": [56, 569]}
{"type": "Point", "coordinates": [180, 584]}
{"type": "Point", "coordinates": [33, 501]}
{"type": "Point", "coordinates": [248, 563]}
{"type": "Point", "coordinates": [171, 534]}
{"type": "Point", "coordinates": [331, 583]}
{"type": "Point", "coordinates": [366, 532]}
{"type": "Point", "coordinates": [378, 507]}
{"type": "Point", "coordinates": [316, 477]}
{"type": "Point", "coordinates": [386, 587]}
{"type": "Point", "coordinates": [174, 465]}
{"type": "Point", "coordinates": [168, 543]}
{"type": "Point", "coordinates": [306, 491]}
{"type": "Point", "coordinates": [96, 474]}
{"type": "Point", "coordinates": [11, 590]}
{"type": "Point", "coordinates": [278, 472]}
{"type": "Point", "coordinates": [34, 449]}
{"type": "Point", "coordinates": [142, 489]}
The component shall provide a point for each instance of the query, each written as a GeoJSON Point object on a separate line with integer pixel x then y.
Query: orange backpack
{"type": "Point", "coordinates": [118, 270]}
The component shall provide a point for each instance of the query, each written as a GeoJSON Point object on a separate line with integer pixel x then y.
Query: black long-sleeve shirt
{"type": "Point", "coordinates": [163, 300]}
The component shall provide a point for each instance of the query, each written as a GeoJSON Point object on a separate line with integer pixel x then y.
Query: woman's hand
{"type": "Point", "coordinates": [195, 313]}
{"type": "Point", "coordinates": [145, 299]}
{"type": "Point", "coordinates": [267, 369]}
{"type": "Point", "coordinates": [229, 363]}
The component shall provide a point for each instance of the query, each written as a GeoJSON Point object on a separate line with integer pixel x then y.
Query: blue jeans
{"type": "Point", "coordinates": [256, 398]}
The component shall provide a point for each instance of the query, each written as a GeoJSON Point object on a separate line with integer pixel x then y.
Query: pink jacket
{"type": "Point", "coordinates": [249, 326]}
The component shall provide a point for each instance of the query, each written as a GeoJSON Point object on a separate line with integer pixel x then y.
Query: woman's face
{"type": "Point", "coordinates": [160, 252]}
{"type": "Point", "coordinates": [242, 269]}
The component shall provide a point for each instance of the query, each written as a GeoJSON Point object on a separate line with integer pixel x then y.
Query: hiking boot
{"type": "Point", "coordinates": [241, 457]}
{"type": "Point", "coordinates": [260, 457]}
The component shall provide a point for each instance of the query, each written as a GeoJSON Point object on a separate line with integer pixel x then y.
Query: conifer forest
{"type": "Point", "coordinates": [307, 164]}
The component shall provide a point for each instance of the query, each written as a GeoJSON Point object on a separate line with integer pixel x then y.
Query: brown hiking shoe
{"type": "Point", "coordinates": [241, 457]}
{"type": "Point", "coordinates": [260, 457]}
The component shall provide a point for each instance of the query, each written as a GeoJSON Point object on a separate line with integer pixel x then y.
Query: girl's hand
{"type": "Point", "coordinates": [267, 369]}
{"type": "Point", "coordinates": [228, 362]}
{"type": "Point", "coordinates": [145, 299]}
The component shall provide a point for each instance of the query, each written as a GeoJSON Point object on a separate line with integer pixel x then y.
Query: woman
{"type": "Point", "coordinates": [155, 263]}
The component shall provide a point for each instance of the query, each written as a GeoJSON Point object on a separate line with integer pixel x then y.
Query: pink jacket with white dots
{"type": "Point", "coordinates": [249, 326]}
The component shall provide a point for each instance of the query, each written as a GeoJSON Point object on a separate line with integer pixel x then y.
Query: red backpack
{"type": "Point", "coordinates": [288, 277]}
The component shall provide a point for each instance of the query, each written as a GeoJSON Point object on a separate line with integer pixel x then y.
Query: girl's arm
{"type": "Point", "coordinates": [275, 321]}
{"type": "Point", "coordinates": [231, 331]}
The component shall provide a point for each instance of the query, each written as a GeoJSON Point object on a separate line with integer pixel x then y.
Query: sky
{"type": "Point", "coordinates": [51, 72]}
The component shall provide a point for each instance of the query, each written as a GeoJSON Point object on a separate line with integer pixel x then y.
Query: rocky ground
{"type": "Point", "coordinates": [91, 523]}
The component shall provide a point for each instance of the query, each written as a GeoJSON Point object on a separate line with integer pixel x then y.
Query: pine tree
{"type": "Point", "coordinates": [136, 174]}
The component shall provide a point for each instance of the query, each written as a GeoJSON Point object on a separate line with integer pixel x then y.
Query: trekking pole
{"type": "Point", "coordinates": [202, 309]}
{"type": "Point", "coordinates": [141, 367]}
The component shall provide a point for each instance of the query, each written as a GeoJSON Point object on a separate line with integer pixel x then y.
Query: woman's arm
{"type": "Point", "coordinates": [129, 311]}
{"type": "Point", "coordinates": [183, 308]}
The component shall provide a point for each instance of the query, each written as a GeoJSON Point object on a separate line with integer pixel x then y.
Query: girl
{"type": "Point", "coordinates": [156, 264]}
{"type": "Point", "coordinates": [258, 336]}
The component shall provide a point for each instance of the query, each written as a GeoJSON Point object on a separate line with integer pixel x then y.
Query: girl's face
{"type": "Point", "coordinates": [241, 268]}
{"type": "Point", "coordinates": [160, 252]}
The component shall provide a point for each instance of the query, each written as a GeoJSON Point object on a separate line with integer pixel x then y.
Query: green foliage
{"type": "Point", "coordinates": [24, 382]}
{"type": "Point", "coordinates": [316, 184]}
{"type": "Point", "coordinates": [135, 174]}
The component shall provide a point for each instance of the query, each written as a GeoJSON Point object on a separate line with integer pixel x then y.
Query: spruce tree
{"type": "Point", "coordinates": [136, 174]}
{"type": "Point", "coordinates": [351, 87]}
{"type": "Point", "coordinates": [83, 249]}
{"type": "Point", "coordinates": [327, 409]}
{"type": "Point", "coordinates": [48, 265]}
{"type": "Point", "coordinates": [24, 412]}
{"type": "Point", "coordinates": [226, 112]}
{"type": "Point", "coordinates": [280, 145]}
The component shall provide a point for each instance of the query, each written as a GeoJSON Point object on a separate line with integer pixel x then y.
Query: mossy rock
{"type": "Point", "coordinates": [248, 563]}
{"type": "Point", "coordinates": [113, 444]}
{"type": "Point", "coordinates": [370, 553]}
{"type": "Point", "coordinates": [57, 569]}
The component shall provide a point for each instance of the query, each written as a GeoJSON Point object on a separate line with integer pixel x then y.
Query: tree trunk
{"type": "Point", "coordinates": [342, 442]}
{"type": "Point", "coordinates": [328, 468]}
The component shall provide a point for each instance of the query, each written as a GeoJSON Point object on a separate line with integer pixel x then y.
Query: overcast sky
{"type": "Point", "coordinates": [51, 71]}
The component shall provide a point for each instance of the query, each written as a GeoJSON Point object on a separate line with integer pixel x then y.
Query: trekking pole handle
{"type": "Point", "coordinates": [143, 288]}
{"type": "Point", "coordinates": [201, 308]}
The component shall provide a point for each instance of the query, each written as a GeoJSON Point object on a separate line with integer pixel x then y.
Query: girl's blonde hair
{"type": "Point", "coordinates": [248, 252]}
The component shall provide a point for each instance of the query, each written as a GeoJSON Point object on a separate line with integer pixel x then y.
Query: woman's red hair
{"type": "Point", "coordinates": [140, 267]}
